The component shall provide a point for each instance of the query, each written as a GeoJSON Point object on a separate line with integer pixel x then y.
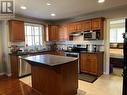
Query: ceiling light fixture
{"type": "Point", "coordinates": [101, 1]}
{"type": "Point", "coordinates": [48, 4]}
{"type": "Point", "coordinates": [23, 7]}
{"type": "Point", "coordinates": [53, 14]}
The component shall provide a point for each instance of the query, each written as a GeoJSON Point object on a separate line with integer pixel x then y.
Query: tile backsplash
{"type": "Point", "coordinates": [62, 45]}
{"type": "Point", "coordinates": [80, 40]}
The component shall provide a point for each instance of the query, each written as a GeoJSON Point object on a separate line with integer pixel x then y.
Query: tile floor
{"type": "Point", "coordinates": [117, 71]}
{"type": "Point", "coordinates": [105, 85]}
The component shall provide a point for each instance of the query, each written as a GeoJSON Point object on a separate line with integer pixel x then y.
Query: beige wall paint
{"type": "Point", "coordinates": [1, 63]}
{"type": "Point", "coordinates": [5, 44]}
{"type": "Point", "coordinates": [119, 12]}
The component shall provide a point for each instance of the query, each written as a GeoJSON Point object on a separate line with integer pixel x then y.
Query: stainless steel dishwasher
{"type": "Point", "coordinates": [24, 67]}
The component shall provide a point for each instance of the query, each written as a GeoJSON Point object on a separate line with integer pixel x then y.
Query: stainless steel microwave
{"type": "Point", "coordinates": [90, 35]}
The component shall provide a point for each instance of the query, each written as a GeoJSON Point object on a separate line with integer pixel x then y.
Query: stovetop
{"type": "Point", "coordinates": [77, 50]}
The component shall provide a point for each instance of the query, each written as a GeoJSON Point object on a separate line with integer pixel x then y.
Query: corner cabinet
{"type": "Point", "coordinates": [53, 32]}
{"type": "Point", "coordinates": [91, 63]}
{"type": "Point", "coordinates": [16, 29]}
{"type": "Point", "coordinates": [98, 26]}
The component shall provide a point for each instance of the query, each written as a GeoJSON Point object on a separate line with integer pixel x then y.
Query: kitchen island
{"type": "Point", "coordinates": [54, 75]}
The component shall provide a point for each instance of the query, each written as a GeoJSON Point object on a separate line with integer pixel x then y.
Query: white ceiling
{"type": "Point", "coordinates": [63, 8]}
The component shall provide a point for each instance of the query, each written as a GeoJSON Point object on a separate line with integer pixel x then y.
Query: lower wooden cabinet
{"type": "Point", "coordinates": [14, 66]}
{"type": "Point", "coordinates": [91, 63]}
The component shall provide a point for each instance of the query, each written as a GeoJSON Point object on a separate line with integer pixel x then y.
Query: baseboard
{"type": "Point", "coordinates": [2, 74]}
{"type": "Point", "coordinates": [105, 73]}
{"type": "Point", "coordinates": [9, 75]}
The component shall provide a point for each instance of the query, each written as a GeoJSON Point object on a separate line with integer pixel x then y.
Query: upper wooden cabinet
{"type": "Point", "coordinates": [57, 33]}
{"type": "Point", "coordinates": [71, 27]}
{"type": "Point", "coordinates": [97, 23]}
{"type": "Point", "coordinates": [16, 29]}
{"type": "Point", "coordinates": [63, 33]}
{"type": "Point", "coordinates": [53, 32]}
{"type": "Point", "coordinates": [86, 25]}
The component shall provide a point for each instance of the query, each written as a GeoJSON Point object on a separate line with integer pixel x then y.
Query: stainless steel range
{"type": "Point", "coordinates": [75, 52]}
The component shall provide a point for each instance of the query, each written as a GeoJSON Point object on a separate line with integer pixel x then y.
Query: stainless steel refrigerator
{"type": "Point", "coordinates": [125, 61]}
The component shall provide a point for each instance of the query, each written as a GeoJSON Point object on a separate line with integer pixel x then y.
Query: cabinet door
{"type": "Point", "coordinates": [93, 63]}
{"type": "Point", "coordinates": [71, 27]}
{"type": "Point", "coordinates": [53, 32]}
{"type": "Point", "coordinates": [86, 25]}
{"type": "Point", "coordinates": [79, 26]}
{"type": "Point", "coordinates": [63, 34]}
{"type": "Point", "coordinates": [93, 67]}
{"type": "Point", "coordinates": [16, 29]}
{"type": "Point", "coordinates": [14, 66]}
{"type": "Point", "coordinates": [97, 23]}
{"type": "Point", "coordinates": [84, 63]}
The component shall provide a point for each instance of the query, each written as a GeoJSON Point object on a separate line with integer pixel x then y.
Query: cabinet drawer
{"type": "Point", "coordinates": [92, 56]}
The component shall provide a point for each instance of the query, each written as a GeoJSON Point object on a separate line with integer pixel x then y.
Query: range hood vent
{"type": "Point", "coordinates": [76, 34]}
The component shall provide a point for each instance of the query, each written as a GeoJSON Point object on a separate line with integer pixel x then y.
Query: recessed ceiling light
{"type": "Point", "coordinates": [23, 7]}
{"type": "Point", "coordinates": [53, 14]}
{"type": "Point", "coordinates": [101, 1]}
{"type": "Point", "coordinates": [48, 4]}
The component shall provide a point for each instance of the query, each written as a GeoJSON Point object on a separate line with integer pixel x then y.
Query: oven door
{"type": "Point", "coordinates": [76, 55]}
{"type": "Point", "coordinates": [71, 55]}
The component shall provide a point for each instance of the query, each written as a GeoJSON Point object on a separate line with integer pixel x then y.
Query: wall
{"type": "Point", "coordinates": [5, 45]}
{"type": "Point", "coordinates": [1, 63]}
{"type": "Point", "coordinates": [119, 12]}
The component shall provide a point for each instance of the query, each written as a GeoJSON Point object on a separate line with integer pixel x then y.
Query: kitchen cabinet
{"type": "Point", "coordinates": [71, 27]}
{"type": "Point", "coordinates": [14, 66]}
{"type": "Point", "coordinates": [60, 53]}
{"type": "Point", "coordinates": [79, 26]}
{"type": "Point", "coordinates": [86, 25]}
{"type": "Point", "coordinates": [97, 23]}
{"type": "Point", "coordinates": [57, 33]}
{"type": "Point", "coordinates": [91, 63]}
{"type": "Point", "coordinates": [16, 30]}
{"type": "Point", "coordinates": [63, 33]}
{"type": "Point", "coordinates": [98, 26]}
{"type": "Point", "coordinates": [75, 27]}
{"type": "Point", "coordinates": [53, 32]}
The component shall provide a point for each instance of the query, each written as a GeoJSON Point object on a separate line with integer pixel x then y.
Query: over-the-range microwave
{"type": "Point", "coordinates": [90, 35]}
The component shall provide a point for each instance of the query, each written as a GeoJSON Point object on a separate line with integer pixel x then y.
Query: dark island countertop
{"type": "Point", "coordinates": [50, 60]}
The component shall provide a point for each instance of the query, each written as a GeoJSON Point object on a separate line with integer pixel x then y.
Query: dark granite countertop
{"type": "Point", "coordinates": [50, 60]}
{"type": "Point", "coordinates": [92, 52]}
{"type": "Point", "coordinates": [27, 53]}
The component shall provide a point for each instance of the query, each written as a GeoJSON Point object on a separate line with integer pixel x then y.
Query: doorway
{"type": "Point", "coordinates": [117, 28]}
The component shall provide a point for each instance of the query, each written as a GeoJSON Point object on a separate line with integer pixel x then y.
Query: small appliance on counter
{"type": "Point", "coordinates": [93, 48]}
